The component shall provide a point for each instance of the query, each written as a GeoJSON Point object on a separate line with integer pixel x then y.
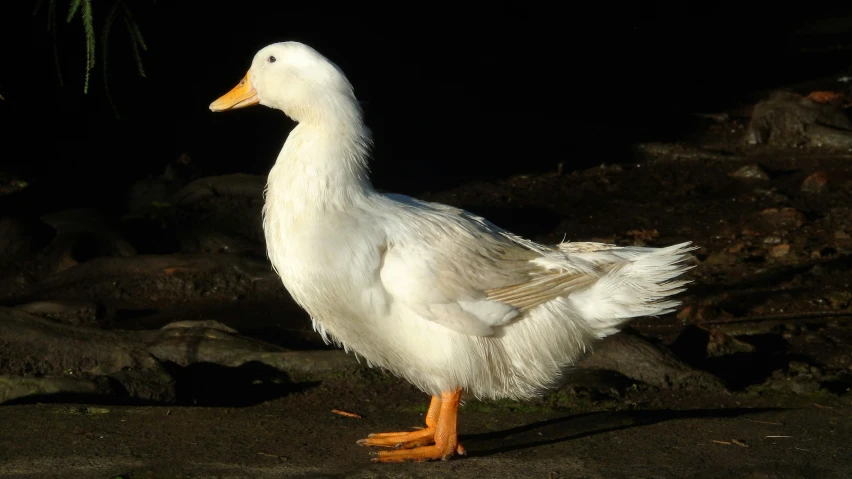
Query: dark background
{"type": "Point", "coordinates": [451, 94]}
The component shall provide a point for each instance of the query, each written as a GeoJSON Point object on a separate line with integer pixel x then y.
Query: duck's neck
{"type": "Point", "coordinates": [323, 165]}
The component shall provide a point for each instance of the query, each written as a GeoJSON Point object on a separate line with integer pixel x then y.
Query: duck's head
{"type": "Point", "coordinates": [291, 77]}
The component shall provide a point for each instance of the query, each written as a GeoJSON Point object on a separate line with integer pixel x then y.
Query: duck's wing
{"type": "Point", "coordinates": [460, 271]}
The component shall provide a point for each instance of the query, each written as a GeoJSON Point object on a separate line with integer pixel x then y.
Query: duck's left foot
{"type": "Point", "coordinates": [437, 441]}
{"type": "Point", "coordinates": [420, 454]}
{"type": "Point", "coordinates": [408, 439]}
{"type": "Point", "coordinates": [400, 440]}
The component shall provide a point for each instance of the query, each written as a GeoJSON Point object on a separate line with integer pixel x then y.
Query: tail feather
{"type": "Point", "coordinates": [640, 283]}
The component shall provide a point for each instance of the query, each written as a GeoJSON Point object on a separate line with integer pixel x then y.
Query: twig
{"type": "Point", "coordinates": [722, 442]}
{"type": "Point", "coordinates": [764, 422]}
{"type": "Point", "coordinates": [346, 414]}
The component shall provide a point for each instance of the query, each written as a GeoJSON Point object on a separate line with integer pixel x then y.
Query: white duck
{"type": "Point", "coordinates": [434, 294]}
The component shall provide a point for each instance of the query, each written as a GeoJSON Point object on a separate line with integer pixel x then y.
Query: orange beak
{"type": "Point", "coordinates": [240, 96]}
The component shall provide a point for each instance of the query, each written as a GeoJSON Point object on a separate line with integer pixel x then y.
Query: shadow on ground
{"type": "Point", "coordinates": [588, 424]}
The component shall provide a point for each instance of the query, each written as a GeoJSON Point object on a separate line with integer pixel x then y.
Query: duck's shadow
{"type": "Point", "coordinates": [552, 431]}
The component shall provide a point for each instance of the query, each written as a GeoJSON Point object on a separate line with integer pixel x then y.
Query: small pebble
{"type": "Point", "coordinates": [815, 183]}
{"type": "Point", "coordinates": [780, 250]}
{"type": "Point", "coordinates": [751, 172]}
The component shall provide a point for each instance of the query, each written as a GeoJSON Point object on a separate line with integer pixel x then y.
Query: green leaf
{"type": "Point", "coordinates": [135, 44]}
{"type": "Point", "coordinates": [75, 5]}
{"type": "Point", "coordinates": [134, 28]}
{"type": "Point", "coordinates": [136, 40]}
{"type": "Point", "coordinates": [89, 27]}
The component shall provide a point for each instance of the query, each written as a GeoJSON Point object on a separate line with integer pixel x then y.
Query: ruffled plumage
{"type": "Point", "coordinates": [432, 293]}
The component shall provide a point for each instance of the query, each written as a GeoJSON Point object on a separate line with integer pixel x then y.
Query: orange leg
{"type": "Point", "coordinates": [443, 434]}
{"type": "Point", "coordinates": [409, 438]}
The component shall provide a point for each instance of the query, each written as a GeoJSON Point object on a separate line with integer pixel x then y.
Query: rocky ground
{"type": "Point", "coordinates": [160, 344]}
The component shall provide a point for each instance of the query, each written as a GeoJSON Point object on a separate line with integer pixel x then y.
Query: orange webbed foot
{"type": "Point", "coordinates": [434, 452]}
{"type": "Point", "coordinates": [439, 440]}
{"type": "Point", "coordinates": [400, 439]}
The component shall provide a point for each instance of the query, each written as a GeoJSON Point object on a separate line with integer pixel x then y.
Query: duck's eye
{"type": "Point", "coordinates": [271, 59]}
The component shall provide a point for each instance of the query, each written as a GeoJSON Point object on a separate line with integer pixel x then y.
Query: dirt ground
{"type": "Point", "coordinates": [298, 436]}
{"type": "Point", "coordinates": [768, 316]}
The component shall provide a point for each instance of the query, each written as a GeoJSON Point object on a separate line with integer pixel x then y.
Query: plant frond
{"type": "Point", "coordinates": [136, 40]}
{"type": "Point", "coordinates": [86, 14]}
{"type": "Point", "coordinates": [134, 28]}
{"type": "Point", "coordinates": [75, 5]}
{"type": "Point", "coordinates": [136, 54]}
{"type": "Point", "coordinates": [89, 27]}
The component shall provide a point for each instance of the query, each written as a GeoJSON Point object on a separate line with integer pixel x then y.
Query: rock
{"type": "Point", "coordinates": [771, 194]}
{"type": "Point", "coordinates": [630, 355]}
{"type": "Point", "coordinates": [149, 196]}
{"type": "Point", "coordinates": [736, 248]}
{"type": "Point", "coordinates": [157, 281]}
{"type": "Point", "coordinates": [815, 183]}
{"type": "Point", "coordinates": [187, 345]}
{"type": "Point", "coordinates": [721, 259]}
{"type": "Point", "coordinates": [212, 241]}
{"type": "Point", "coordinates": [39, 356]}
{"type": "Point", "coordinates": [785, 218]}
{"type": "Point", "coordinates": [221, 214]}
{"type": "Point", "coordinates": [241, 185]}
{"type": "Point", "coordinates": [748, 329]}
{"type": "Point", "coordinates": [838, 300]}
{"type": "Point", "coordinates": [82, 234]}
{"type": "Point", "coordinates": [89, 221]}
{"type": "Point", "coordinates": [32, 347]}
{"type": "Point", "coordinates": [721, 117]}
{"type": "Point", "coordinates": [721, 344]}
{"type": "Point", "coordinates": [700, 313]}
{"type": "Point", "coordinates": [189, 342]}
{"type": "Point", "coordinates": [830, 97]}
{"type": "Point", "coordinates": [826, 136]}
{"type": "Point", "coordinates": [695, 344]}
{"type": "Point", "coordinates": [68, 311]}
{"type": "Point", "coordinates": [780, 250]}
{"type": "Point", "coordinates": [751, 172]}
{"type": "Point", "coordinates": [18, 387]}
{"type": "Point", "coordinates": [788, 119]}
{"type": "Point", "coordinates": [298, 363]}
{"type": "Point", "coordinates": [798, 377]}
{"type": "Point", "coordinates": [209, 324]}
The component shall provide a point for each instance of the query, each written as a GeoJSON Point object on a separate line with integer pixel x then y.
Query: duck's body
{"type": "Point", "coordinates": [432, 293]}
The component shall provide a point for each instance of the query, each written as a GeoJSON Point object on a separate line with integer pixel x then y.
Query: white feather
{"type": "Point", "coordinates": [432, 293]}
